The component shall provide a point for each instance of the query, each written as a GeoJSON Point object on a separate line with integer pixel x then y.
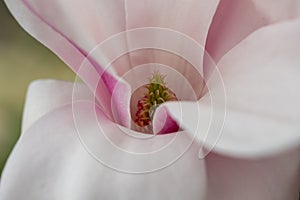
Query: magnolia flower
{"type": "Point", "coordinates": [232, 68]}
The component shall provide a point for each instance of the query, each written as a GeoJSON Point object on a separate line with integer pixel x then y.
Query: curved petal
{"type": "Point", "coordinates": [261, 78]}
{"type": "Point", "coordinates": [190, 17]}
{"type": "Point", "coordinates": [163, 122]}
{"type": "Point", "coordinates": [51, 161]}
{"type": "Point", "coordinates": [182, 19]}
{"type": "Point", "coordinates": [235, 20]}
{"type": "Point", "coordinates": [279, 11]}
{"type": "Point", "coordinates": [274, 178]}
{"type": "Point", "coordinates": [72, 30]}
{"type": "Point", "coordinates": [43, 96]}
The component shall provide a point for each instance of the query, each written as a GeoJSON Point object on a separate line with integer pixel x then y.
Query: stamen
{"type": "Point", "coordinates": [157, 93]}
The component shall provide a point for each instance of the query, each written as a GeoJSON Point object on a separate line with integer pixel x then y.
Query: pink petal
{"type": "Point", "coordinates": [75, 152]}
{"type": "Point", "coordinates": [279, 11]}
{"type": "Point", "coordinates": [43, 96]}
{"type": "Point", "coordinates": [72, 29]}
{"type": "Point", "coordinates": [261, 78]}
{"type": "Point", "coordinates": [261, 81]}
{"type": "Point", "coordinates": [169, 21]}
{"type": "Point", "coordinates": [163, 123]}
{"type": "Point", "coordinates": [235, 20]}
{"type": "Point", "coordinates": [190, 17]}
{"type": "Point", "coordinates": [274, 178]}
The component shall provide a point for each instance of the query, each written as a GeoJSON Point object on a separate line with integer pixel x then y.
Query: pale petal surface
{"type": "Point", "coordinates": [189, 18]}
{"type": "Point", "coordinates": [74, 29]}
{"type": "Point", "coordinates": [276, 11]}
{"type": "Point", "coordinates": [45, 95]}
{"type": "Point", "coordinates": [73, 150]}
{"type": "Point", "coordinates": [72, 32]}
{"type": "Point", "coordinates": [261, 79]}
{"type": "Point", "coordinates": [273, 178]}
{"type": "Point", "coordinates": [70, 28]}
{"type": "Point", "coordinates": [235, 20]}
{"type": "Point", "coordinates": [53, 161]}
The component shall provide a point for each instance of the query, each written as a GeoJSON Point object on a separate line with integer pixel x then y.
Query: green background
{"type": "Point", "coordinates": [22, 60]}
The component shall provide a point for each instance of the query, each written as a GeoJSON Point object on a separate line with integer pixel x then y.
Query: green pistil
{"type": "Point", "coordinates": [157, 78]}
{"type": "Point", "coordinates": [157, 94]}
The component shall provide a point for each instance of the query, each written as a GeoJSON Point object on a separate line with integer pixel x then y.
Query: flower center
{"type": "Point", "coordinates": [155, 93]}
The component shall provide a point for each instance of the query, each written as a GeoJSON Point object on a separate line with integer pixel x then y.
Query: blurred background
{"type": "Point", "coordinates": [22, 60]}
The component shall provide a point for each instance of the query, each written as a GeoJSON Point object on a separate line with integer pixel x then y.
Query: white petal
{"type": "Point", "coordinates": [235, 20]}
{"type": "Point", "coordinates": [73, 30]}
{"type": "Point", "coordinates": [190, 17]}
{"type": "Point", "coordinates": [279, 10]}
{"type": "Point", "coordinates": [50, 161]}
{"type": "Point", "coordinates": [172, 23]}
{"type": "Point", "coordinates": [261, 78]}
{"type": "Point", "coordinates": [274, 178]}
{"type": "Point", "coordinates": [45, 95]}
